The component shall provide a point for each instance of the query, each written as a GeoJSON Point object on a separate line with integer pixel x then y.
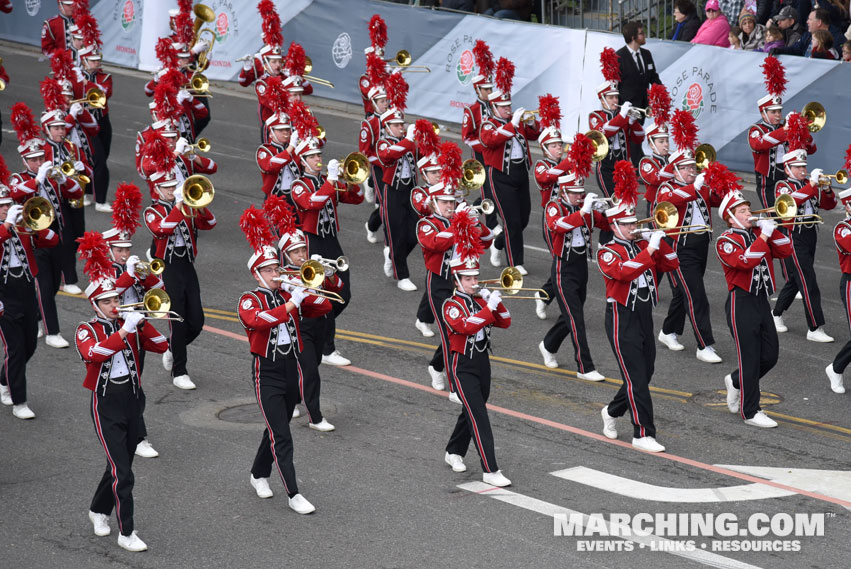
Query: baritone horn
{"type": "Point", "coordinates": [94, 98]}
{"type": "Point", "coordinates": [473, 175]}
{"type": "Point", "coordinates": [601, 144]}
{"type": "Point", "coordinates": [704, 155]}
{"type": "Point", "coordinates": [511, 282]}
{"type": "Point", "coordinates": [155, 304]}
{"type": "Point", "coordinates": [38, 214]}
{"type": "Point", "coordinates": [198, 192]}
{"type": "Point", "coordinates": [355, 170]}
{"type": "Point", "coordinates": [308, 67]}
{"type": "Point", "coordinates": [403, 59]}
{"type": "Point", "coordinates": [816, 116]}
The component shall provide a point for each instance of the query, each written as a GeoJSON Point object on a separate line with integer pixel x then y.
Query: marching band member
{"type": "Point", "coordinates": [376, 67]}
{"type": "Point", "coordinates": [40, 179]}
{"type": "Point", "coordinates": [108, 345]}
{"type": "Point", "coordinates": [19, 321]}
{"type": "Point", "coordinates": [477, 113]}
{"type": "Point", "coordinates": [175, 232]}
{"type": "Point", "coordinates": [370, 132]}
{"type": "Point", "coordinates": [93, 76]}
{"type": "Point", "coordinates": [256, 64]}
{"type": "Point", "coordinates": [55, 31]}
{"type": "Point", "coordinates": [469, 318]}
{"type": "Point", "coordinates": [652, 167]}
{"type": "Point", "coordinates": [631, 265]}
{"type": "Point", "coordinates": [191, 114]}
{"type": "Point", "coordinates": [295, 66]}
{"type": "Point", "coordinates": [276, 158]}
{"type": "Point", "coordinates": [842, 239]}
{"type": "Point", "coordinates": [570, 219]}
{"type": "Point", "coordinates": [270, 317]}
{"type": "Point", "coordinates": [746, 251]}
{"type": "Point", "coordinates": [810, 196]}
{"type": "Point", "coordinates": [273, 62]}
{"type": "Point", "coordinates": [316, 196]}
{"type": "Point", "coordinates": [185, 163]}
{"type": "Point", "coordinates": [507, 158]}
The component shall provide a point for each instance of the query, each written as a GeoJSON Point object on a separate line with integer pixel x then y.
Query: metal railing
{"type": "Point", "coordinates": [610, 15]}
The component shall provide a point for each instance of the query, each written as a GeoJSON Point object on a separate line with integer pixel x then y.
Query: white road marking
{"type": "Point", "coordinates": [833, 483]}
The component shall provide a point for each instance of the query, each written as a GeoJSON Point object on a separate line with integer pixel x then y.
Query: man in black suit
{"type": "Point", "coordinates": [638, 72]}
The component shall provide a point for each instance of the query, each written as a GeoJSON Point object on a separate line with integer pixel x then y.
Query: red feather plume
{"type": "Point", "coordinates": [24, 123]}
{"type": "Point", "coordinates": [468, 231]}
{"type": "Point", "coordinates": [184, 29]}
{"type": "Point", "coordinates": [88, 28]}
{"type": "Point", "coordinates": [376, 69]}
{"type": "Point", "coordinates": [272, 34]}
{"type": "Point", "coordinates": [377, 31]}
{"type": "Point", "coordinates": [848, 158]}
{"type": "Point", "coordinates": [166, 54]}
{"type": "Point", "coordinates": [303, 120]}
{"type": "Point", "coordinates": [51, 93]}
{"type": "Point", "coordinates": [609, 64]}
{"type": "Point", "coordinates": [425, 137]}
{"type": "Point", "coordinates": [549, 111]}
{"type": "Point", "coordinates": [684, 130]}
{"type": "Point", "coordinates": [95, 251]}
{"type": "Point", "coordinates": [580, 155]}
{"type": "Point", "coordinates": [296, 59]}
{"type": "Point", "coordinates": [397, 91]}
{"type": "Point", "coordinates": [62, 64]}
{"type": "Point", "coordinates": [184, 6]}
{"type": "Point", "coordinates": [626, 182]}
{"type": "Point", "coordinates": [80, 6]}
{"type": "Point", "coordinates": [720, 179]}
{"type": "Point", "coordinates": [504, 75]}
{"type": "Point", "coordinates": [165, 101]}
{"type": "Point", "coordinates": [484, 58]}
{"type": "Point", "coordinates": [775, 76]}
{"type": "Point", "coordinates": [255, 226]}
{"type": "Point", "coordinates": [798, 133]}
{"type": "Point", "coordinates": [174, 78]}
{"type": "Point", "coordinates": [449, 159]}
{"type": "Point", "coordinates": [280, 214]}
{"type": "Point", "coordinates": [278, 96]}
{"type": "Point", "coordinates": [158, 151]}
{"type": "Point", "coordinates": [4, 172]}
{"type": "Point", "coordinates": [126, 208]}
{"type": "Point", "coordinates": [659, 101]}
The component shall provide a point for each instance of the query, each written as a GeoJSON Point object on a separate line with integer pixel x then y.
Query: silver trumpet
{"type": "Point", "coordinates": [341, 263]}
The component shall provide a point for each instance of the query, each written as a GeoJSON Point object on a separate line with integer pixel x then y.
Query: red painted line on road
{"type": "Point", "coordinates": [577, 431]}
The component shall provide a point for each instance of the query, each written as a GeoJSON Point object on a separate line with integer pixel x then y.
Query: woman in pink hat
{"type": "Point", "coordinates": [715, 30]}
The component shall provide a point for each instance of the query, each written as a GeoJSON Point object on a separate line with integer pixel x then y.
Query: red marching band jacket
{"type": "Point", "coordinates": [164, 220]}
{"type": "Point", "coordinates": [101, 80]}
{"type": "Point", "coordinates": [57, 153]}
{"type": "Point", "coordinates": [618, 130]}
{"type": "Point", "coordinates": [748, 260]}
{"type": "Point", "coordinates": [28, 241]}
{"type": "Point", "coordinates": [623, 262]}
{"type": "Point", "coordinates": [370, 132]}
{"type": "Point", "coordinates": [82, 130]}
{"type": "Point", "coordinates": [685, 197]}
{"type": "Point", "coordinates": [474, 116]}
{"type": "Point", "coordinates": [654, 173]}
{"type": "Point", "coordinates": [438, 243]}
{"type": "Point", "coordinates": [97, 346]}
{"type": "Point", "coordinates": [392, 153]}
{"type": "Point", "coordinates": [246, 78]}
{"type": "Point", "coordinates": [278, 169]}
{"type": "Point", "coordinates": [364, 84]}
{"type": "Point", "coordinates": [562, 220]}
{"type": "Point", "coordinates": [183, 168]}
{"type": "Point", "coordinates": [125, 281]}
{"type": "Point", "coordinates": [808, 198]}
{"type": "Point", "coordinates": [547, 173]}
{"type": "Point", "coordinates": [24, 185]}
{"type": "Point", "coordinates": [420, 201]}
{"type": "Point", "coordinates": [466, 316]}
{"type": "Point", "coordinates": [842, 239]}
{"type": "Point", "coordinates": [496, 136]}
{"type": "Point", "coordinates": [316, 200]}
{"type": "Point", "coordinates": [54, 34]}
{"type": "Point", "coordinates": [765, 140]}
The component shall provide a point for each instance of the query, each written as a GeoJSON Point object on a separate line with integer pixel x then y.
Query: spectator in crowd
{"type": "Point", "coordinates": [823, 46]}
{"type": "Point", "coordinates": [787, 20]}
{"type": "Point", "coordinates": [819, 19]}
{"type": "Point", "coordinates": [730, 8]}
{"type": "Point", "coordinates": [511, 10]}
{"type": "Point", "coordinates": [752, 35]}
{"type": "Point", "coordinates": [685, 14]}
{"type": "Point", "coordinates": [838, 11]}
{"type": "Point", "coordinates": [715, 30]}
{"type": "Point", "coordinates": [735, 37]}
{"type": "Point", "coordinates": [773, 38]}
{"type": "Point", "coordinates": [846, 51]}
{"type": "Point", "coordinates": [765, 10]}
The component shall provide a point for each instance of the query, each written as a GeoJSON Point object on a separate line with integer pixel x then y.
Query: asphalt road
{"type": "Point", "coordinates": [384, 497]}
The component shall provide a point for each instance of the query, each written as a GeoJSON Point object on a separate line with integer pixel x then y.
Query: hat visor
{"type": "Point", "coordinates": [32, 153]}
{"type": "Point", "coordinates": [104, 295]}
{"type": "Point", "coordinates": [574, 189]}
{"type": "Point", "coordinates": [467, 272]}
{"type": "Point", "coordinates": [119, 243]}
{"type": "Point", "coordinates": [281, 127]}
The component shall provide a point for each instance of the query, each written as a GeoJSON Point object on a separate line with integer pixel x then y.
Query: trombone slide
{"type": "Point", "coordinates": [154, 314]}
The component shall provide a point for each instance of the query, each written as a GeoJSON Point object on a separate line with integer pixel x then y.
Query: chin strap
{"type": "Point", "coordinates": [262, 280]}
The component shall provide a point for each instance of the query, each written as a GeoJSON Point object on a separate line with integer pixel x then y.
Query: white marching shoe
{"type": "Point", "coordinates": [438, 379]}
{"type": "Point", "coordinates": [610, 426]}
{"type": "Point", "coordinates": [183, 382]}
{"type": "Point", "coordinates": [103, 207]}
{"type": "Point", "coordinates": [296, 413]}
{"type": "Point", "coordinates": [456, 461]}
{"type": "Point", "coordinates": [549, 357]}
{"type": "Point", "coordinates": [145, 450]}
{"type": "Point", "coordinates": [496, 259]}
{"type": "Point", "coordinates": [836, 381]}
{"type": "Point", "coordinates": [23, 411]}
{"type": "Point", "coordinates": [261, 487]}
{"type": "Point", "coordinates": [779, 324]}
{"type": "Point", "coordinates": [495, 479]}
{"type": "Point", "coordinates": [322, 426]}
{"type": "Point", "coordinates": [406, 284]}
{"type": "Point", "coordinates": [368, 193]}
{"type": "Point", "coordinates": [424, 328]}
{"type": "Point", "coordinates": [708, 355]}
{"type": "Point", "coordinates": [168, 360]}
{"type": "Point", "coordinates": [540, 307]}
{"type": "Point", "coordinates": [300, 505]}
{"type": "Point", "coordinates": [56, 341]}
{"type": "Point", "coordinates": [453, 396]}
{"type": "Point", "coordinates": [733, 394]}
{"type": "Point", "coordinates": [87, 200]}
{"type": "Point", "coordinates": [761, 420]}
{"type": "Point", "coordinates": [100, 522]}
{"type": "Point", "coordinates": [648, 444]}
{"type": "Point", "coordinates": [670, 341]}
{"type": "Point", "coordinates": [522, 270]}
{"type": "Point", "coordinates": [388, 264]}
{"type": "Point", "coordinates": [5, 395]}
{"type": "Point", "coordinates": [335, 359]}
{"type": "Point", "coordinates": [592, 375]}
{"type": "Point", "coordinates": [819, 335]}
{"type": "Point", "coordinates": [71, 289]}
{"type": "Point", "coordinates": [131, 542]}
{"type": "Point", "coordinates": [371, 236]}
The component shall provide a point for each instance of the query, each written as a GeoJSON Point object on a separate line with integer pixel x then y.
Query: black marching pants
{"type": "Point", "coordinates": [312, 332]}
{"type": "Point", "coordinates": [605, 179]}
{"type": "Point", "coordinates": [75, 226]}
{"type": "Point", "coordinates": [439, 290]}
{"type": "Point", "coordinates": [513, 205]}
{"type": "Point", "coordinates": [689, 293]}
{"type": "Point", "coordinates": [49, 277]}
{"type": "Point", "coordinates": [400, 221]}
{"type": "Point", "coordinates": [181, 283]}
{"type": "Point", "coordinates": [19, 331]}
{"type": "Point", "coordinates": [330, 248]}
{"type": "Point", "coordinates": [801, 276]}
{"type": "Point", "coordinates": [843, 358]}
{"type": "Point", "coordinates": [571, 280]}
{"type": "Point", "coordinates": [473, 383]}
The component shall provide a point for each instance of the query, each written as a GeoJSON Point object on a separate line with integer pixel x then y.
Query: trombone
{"type": "Point", "coordinates": [841, 177]}
{"type": "Point", "coordinates": [200, 85]}
{"type": "Point", "coordinates": [198, 192]}
{"type": "Point", "coordinates": [784, 212]}
{"type": "Point", "coordinates": [38, 214]}
{"type": "Point", "coordinates": [601, 144]}
{"type": "Point", "coordinates": [665, 217]}
{"type": "Point", "coordinates": [355, 170]}
{"type": "Point", "coordinates": [155, 304]}
{"type": "Point", "coordinates": [704, 155]}
{"type": "Point", "coordinates": [403, 59]}
{"type": "Point", "coordinates": [308, 67]}
{"type": "Point", "coordinates": [473, 176]}
{"type": "Point", "coordinates": [312, 275]}
{"type": "Point", "coordinates": [511, 282]}
{"type": "Point", "coordinates": [94, 98]}
{"type": "Point", "coordinates": [153, 267]}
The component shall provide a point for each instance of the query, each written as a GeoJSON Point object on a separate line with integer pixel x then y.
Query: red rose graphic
{"type": "Point", "coordinates": [129, 12]}
{"type": "Point", "coordinates": [466, 62]}
{"type": "Point", "coordinates": [694, 97]}
{"type": "Point", "coordinates": [222, 24]}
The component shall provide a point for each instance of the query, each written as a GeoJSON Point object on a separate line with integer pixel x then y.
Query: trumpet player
{"type": "Point", "coordinates": [55, 32]}
{"type": "Point", "coordinates": [652, 167]}
{"type": "Point", "coordinates": [187, 161]}
{"type": "Point", "coordinates": [842, 239]}
{"type": "Point", "coordinates": [694, 201]}
{"type": "Point", "coordinates": [19, 322]}
{"type": "Point", "coordinates": [747, 251]}
{"type": "Point", "coordinates": [810, 194]}
{"type": "Point", "coordinates": [276, 159]}
{"type": "Point", "coordinates": [570, 219]}
{"type": "Point", "coordinates": [622, 130]}
{"type": "Point", "coordinates": [175, 233]}
{"type": "Point", "coordinates": [94, 77]}
{"type": "Point", "coordinates": [422, 203]}
{"type": "Point", "coordinates": [370, 132]}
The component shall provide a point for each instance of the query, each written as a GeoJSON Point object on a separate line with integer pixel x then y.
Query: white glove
{"type": "Point", "coordinates": [601, 205]}
{"type": "Point", "coordinates": [132, 261]}
{"type": "Point", "coordinates": [79, 74]}
{"type": "Point", "coordinates": [484, 293]}
{"type": "Point", "coordinates": [588, 204]}
{"type": "Point", "coordinates": [131, 320]}
{"type": "Point", "coordinates": [297, 295]}
{"type": "Point", "coordinates": [410, 134]}
{"type": "Point", "coordinates": [815, 175]}
{"type": "Point", "coordinates": [698, 181]}
{"type": "Point", "coordinates": [646, 234]}
{"type": "Point", "coordinates": [79, 167]}
{"type": "Point", "coordinates": [14, 213]}
{"type": "Point", "coordinates": [316, 257]}
{"type": "Point", "coordinates": [182, 146]}
{"type": "Point", "coordinates": [334, 170]}
{"type": "Point", "coordinates": [767, 226]}
{"type": "Point", "coordinates": [625, 108]}
{"type": "Point", "coordinates": [249, 62]}
{"type": "Point", "coordinates": [517, 117]}
{"type": "Point", "coordinates": [461, 207]}
{"type": "Point", "coordinates": [494, 299]}
{"type": "Point", "coordinates": [42, 172]}
{"type": "Point", "coordinates": [75, 110]}
{"type": "Point", "coordinates": [178, 196]}
{"type": "Point", "coordinates": [199, 47]}
{"type": "Point", "coordinates": [183, 95]}
{"type": "Point", "coordinates": [655, 239]}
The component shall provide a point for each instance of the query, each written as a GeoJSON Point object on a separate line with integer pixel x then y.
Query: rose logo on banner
{"type": "Point", "coordinates": [222, 27]}
{"type": "Point", "coordinates": [33, 6]}
{"type": "Point", "coordinates": [695, 92]}
{"type": "Point", "coordinates": [464, 69]}
{"type": "Point", "coordinates": [341, 51]}
{"type": "Point", "coordinates": [128, 15]}
{"type": "Point", "coordinates": [693, 100]}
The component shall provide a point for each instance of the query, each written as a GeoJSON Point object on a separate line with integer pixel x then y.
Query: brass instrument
{"type": "Point", "coordinates": [486, 206]}
{"type": "Point", "coordinates": [529, 116]}
{"type": "Point", "coordinates": [155, 304]}
{"type": "Point", "coordinates": [601, 144]}
{"type": "Point", "coordinates": [38, 214]}
{"type": "Point", "coordinates": [403, 59]}
{"type": "Point", "coordinates": [841, 177]}
{"type": "Point", "coordinates": [203, 15]}
{"type": "Point", "coordinates": [666, 218]}
{"type": "Point", "coordinates": [704, 155]}
{"type": "Point", "coordinates": [341, 263]}
{"type": "Point", "coordinates": [308, 67]}
{"type": "Point", "coordinates": [201, 145]}
{"type": "Point", "coordinates": [816, 116]}
{"type": "Point", "coordinates": [154, 267]}
{"type": "Point", "coordinates": [94, 98]}
{"type": "Point", "coordinates": [355, 170]}
{"type": "Point", "coordinates": [436, 128]}
{"type": "Point", "coordinates": [198, 192]}
{"type": "Point", "coordinates": [511, 282]}
{"type": "Point", "coordinates": [784, 212]}
{"type": "Point", "coordinates": [2, 83]}
{"type": "Point", "coordinates": [312, 275]}
{"type": "Point", "coordinates": [244, 58]}
{"type": "Point", "coordinates": [320, 132]}
{"type": "Point", "coordinates": [199, 85]}
{"type": "Point", "coordinates": [473, 176]}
